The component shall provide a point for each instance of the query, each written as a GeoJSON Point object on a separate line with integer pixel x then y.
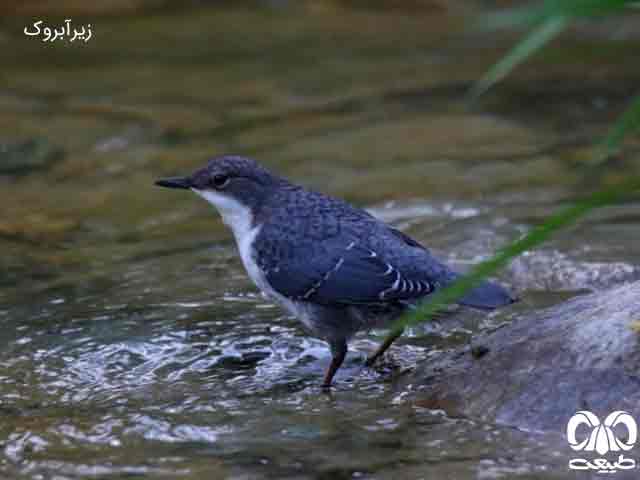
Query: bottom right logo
{"type": "Point", "coordinates": [602, 438]}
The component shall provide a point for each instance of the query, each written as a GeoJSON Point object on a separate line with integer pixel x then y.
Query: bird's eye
{"type": "Point", "coordinates": [220, 181]}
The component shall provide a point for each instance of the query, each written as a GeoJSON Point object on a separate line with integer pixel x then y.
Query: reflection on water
{"type": "Point", "coordinates": [132, 343]}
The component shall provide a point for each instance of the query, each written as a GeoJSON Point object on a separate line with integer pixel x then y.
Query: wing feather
{"type": "Point", "coordinates": [345, 273]}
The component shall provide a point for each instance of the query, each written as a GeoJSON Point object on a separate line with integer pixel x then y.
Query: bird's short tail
{"type": "Point", "coordinates": [487, 296]}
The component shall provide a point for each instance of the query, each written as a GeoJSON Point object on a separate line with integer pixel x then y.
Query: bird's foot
{"type": "Point", "coordinates": [382, 363]}
{"type": "Point", "coordinates": [370, 361]}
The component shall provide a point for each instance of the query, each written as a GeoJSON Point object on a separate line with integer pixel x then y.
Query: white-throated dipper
{"type": "Point", "coordinates": [335, 267]}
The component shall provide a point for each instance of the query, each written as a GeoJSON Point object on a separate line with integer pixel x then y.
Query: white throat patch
{"type": "Point", "coordinates": [233, 213]}
{"type": "Point", "coordinates": [239, 219]}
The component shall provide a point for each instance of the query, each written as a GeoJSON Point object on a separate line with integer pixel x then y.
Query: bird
{"type": "Point", "coordinates": [330, 264]}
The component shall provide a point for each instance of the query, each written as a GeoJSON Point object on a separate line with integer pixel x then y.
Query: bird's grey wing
{"type": "Point", "coordinates": [343, 271]}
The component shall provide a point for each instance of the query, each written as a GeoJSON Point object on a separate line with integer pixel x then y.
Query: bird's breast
{"type": "Point", "coordinates": [248, 256]}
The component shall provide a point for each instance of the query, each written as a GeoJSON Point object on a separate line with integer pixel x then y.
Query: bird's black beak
{"type": "Point", "coordinates": [175, 182]}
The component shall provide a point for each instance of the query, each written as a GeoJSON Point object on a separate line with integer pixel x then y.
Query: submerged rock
{"type": "Point", "coordinates": [21, 158]}
{"type": "Point", "coordinates": [552, 270]}
{"type": "Point", "coordinates": [538, 371]}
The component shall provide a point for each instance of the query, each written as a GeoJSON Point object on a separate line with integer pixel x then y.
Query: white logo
{"type": "Point", "coordinates": [602, 439]}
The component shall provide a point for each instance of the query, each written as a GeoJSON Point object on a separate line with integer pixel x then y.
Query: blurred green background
{"type": "Point", "coordinates": [363, 99]}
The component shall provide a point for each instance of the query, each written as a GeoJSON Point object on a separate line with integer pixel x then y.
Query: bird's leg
{"type": "Point", "coordinates": [384, 346]}
{"type": "Point", "coordinates": [338, 353]}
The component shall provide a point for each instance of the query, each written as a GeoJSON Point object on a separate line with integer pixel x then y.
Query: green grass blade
{"type": "Point", "coordinates": [532, 42]}
{"type": "Point", "coordinates": [552, 17]}
{"type": "Point", "coordinates": [585, 8]}
{"type": "Point", "coordinates": [627, 123]}
{"type": "Point", "coordinates": [534, 15]}
{"type": "Point", "coordinates": [441, 298]}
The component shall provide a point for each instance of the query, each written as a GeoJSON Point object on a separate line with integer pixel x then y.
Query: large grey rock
{"type": "Point", "coordinates": [538, 371]}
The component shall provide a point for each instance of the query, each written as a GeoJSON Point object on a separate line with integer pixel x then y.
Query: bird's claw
{"type": "Point", "coordinates": [370, 361]}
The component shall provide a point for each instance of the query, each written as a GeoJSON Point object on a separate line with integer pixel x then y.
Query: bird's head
{"type": "Point", "coordinates": [236, 186]}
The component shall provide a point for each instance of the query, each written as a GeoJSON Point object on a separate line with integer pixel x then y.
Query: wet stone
{"type": "Point", "coordinates": [24, 157]}
{"type": "Point", "coordinates": [545, 366]}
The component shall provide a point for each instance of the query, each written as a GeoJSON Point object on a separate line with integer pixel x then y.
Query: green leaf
{"type": "Point", "coordinates": [550, 18]}
{"type": "Point", "coordinates": [585, 8]}
{"type": "Point", "coordinates": [535, 40]}
{"type": "Point", "coordinates": [549, 9]}
{"type": "Point", "coordinates": [627, 123]}
{"type": "Point", "coordinates": [441, 298]}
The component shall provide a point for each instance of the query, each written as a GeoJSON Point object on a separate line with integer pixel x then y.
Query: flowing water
{"type": "Point", "coordinates": [133, 344]}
